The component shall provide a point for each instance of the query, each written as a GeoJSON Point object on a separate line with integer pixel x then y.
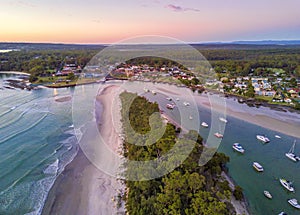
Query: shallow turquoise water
{"type": "Point", "coordinates": [36, 143]}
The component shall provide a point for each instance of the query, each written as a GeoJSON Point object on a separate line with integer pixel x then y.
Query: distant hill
{"type": "Point", "coordinates": [269, 42]}
{"type": "Point", "coordinates": [48, 46]}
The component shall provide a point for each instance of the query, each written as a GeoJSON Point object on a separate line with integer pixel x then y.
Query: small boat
{"type": "Point", "coordinates": [262, 138]}
{"type": "Point", "coordinates": [268, 194]}
{"type": "Point", "coordinates": [146, 90]}
{"type": "Point", "coordinates": [258, 167]}
{"type": "Point", "coordinates": [204, 124]}
{"type": "Point", "coordinates": [71, 126]}
{"type": "Point", "coordinates": [294, 203]}
{"type": "Point", "coordinates": [237, 147]}
{"type": "Point", "coordinates": [177, 99]}
{"type": "Point", "coordinates": [277, 136]}
{"type": "Point", "coordinates": [287, 184]}
{"type": "Point", "coordinates": [153, 92]}
{"type": "Point", "coordinates": [186, 103]}
{"type": "Point", "coordinates": [169, 99]}
{"type": "Point", "coordinates": [190, 117]}
{"type": "Point", "coordinates": [170, 106]}
{"type": "Point", "coordinates": [14, 107]}
{"type": "Point", "coordinates": [282, 213]}
{"type": "Point", "coordinates": [291, 154]}
{"type": "Point", "coordinates": [218, 135]}
{"type": "Point", "coordinates": [223, 119]}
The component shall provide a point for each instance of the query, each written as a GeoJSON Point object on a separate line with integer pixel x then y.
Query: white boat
{"type": "Point", "coordinates": [170, 106]}
{"type": "Point", "coordinates": [268, 194]}
{"type": "Point", "coordinates": [218, 135]}
{"type": "Point", "coordinates": [169, 99]}
{"type": "Point", "coordinates": [223, 119]}
{"type": "Point", "coordinates": [287, 184]}
{"type": "Point", "coordinates": [258, 167]}
{"type": "Point", "coordinates": [291, 154]}
{"type": "Point", "coordinates": [204, 124]}
{"type": "Point", "coordinates": [263, 138]}
{"type": "Point", "coordinates": [186, 103]}
{"type": "Point", "coordinates": [277, 136]}
{"type": "Point", "coordinates": [190, 117]}
{"type": "Point", "coordinates": [177, 99]}
{"type": "Point", "coordinates": [237, 147]}
{"type": "Point", "coordinates": [14, 107]}
{"type": "Point", "coordinates": [153, 92]}
{"type": "Point", "coordinates": [146, 90]}
{"type": "Point", "coordinates": [294, 203]}
{"type": "Point", "coordinates": [282, 213]}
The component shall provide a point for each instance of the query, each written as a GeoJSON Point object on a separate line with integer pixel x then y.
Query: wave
{"type": "Point", "coordinates": [24, 130]}
{"type": "Point", "coordinates": [52, 169]}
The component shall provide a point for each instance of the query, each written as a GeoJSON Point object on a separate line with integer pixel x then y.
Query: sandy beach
{"type": "Point", "coordinates": [82, 188]}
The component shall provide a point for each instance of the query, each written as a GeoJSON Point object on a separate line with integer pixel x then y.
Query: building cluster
{"type": "Point", "coordinates": [279, 89]}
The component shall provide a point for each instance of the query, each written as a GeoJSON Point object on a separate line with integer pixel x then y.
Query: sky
{"type": "Point", "coordinates": [109, 21]}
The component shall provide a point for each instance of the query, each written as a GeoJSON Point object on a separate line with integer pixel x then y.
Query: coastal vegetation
{"type": "Point", "coordinates": [188, 189]}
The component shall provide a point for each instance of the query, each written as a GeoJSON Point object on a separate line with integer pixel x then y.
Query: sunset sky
{"type": "Point", "coordinates": [108, 21]}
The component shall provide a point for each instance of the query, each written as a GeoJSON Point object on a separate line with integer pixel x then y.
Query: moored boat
{"type": "Point", "coordinates": [263, 138]}
{"type": "Point", "coordinates": [237, 147]}
{"type": "Point", "coordinates": [186, 103]}
{"type": "Point", "coordinates": [218, 135]}
{"type": "Point", "coordinates": [222, 119]}
{"type": "Point", "coordinates": [268, 194]}
{"type": "Point", "coordinates": [204, 124]}
{"type": "Point", "coordinates": [294, 203]}
{"type": "Point", "coordinates": [170, 106]}
{"type": "Point", "coordinates": [258, 167]}
{"type": "Point", "coordinates": [287, 184]}
{"type": "Point", "coordinates": [277, 136]}
{"type": "Point", "coordinates": [291, 154]}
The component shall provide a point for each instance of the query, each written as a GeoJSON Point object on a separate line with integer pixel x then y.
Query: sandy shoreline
{"type": "Point", "coordinates": [82, 188]}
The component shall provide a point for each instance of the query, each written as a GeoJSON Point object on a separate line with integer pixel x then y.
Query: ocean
{"type": "Point", "coordinates": [37, 141]}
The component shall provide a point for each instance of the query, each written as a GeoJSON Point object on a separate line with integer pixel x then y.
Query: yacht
{"type": "Point", "coordinates": [223, 120]}
{"type": "Point", "coordinates": [287, 184]}
{"type": "Point", "coordinates": [268, 194]}
{"type": "Point", "coordinates": [277, 136]}
{"type": "Point", "coordinates": [291, 154]}
{"type": "Point", "coordinates": [263, 138]}
{"type": "Point", "coordinates": [218, 135]}
{"type": "Point", "coordinates": [294, 203]}
{"type": "Point", "coordinates": [237, 147]}
{"type": "Point", "coordinates": [258, 167]}
{"type": "Point", "coordinates": [204, 124]}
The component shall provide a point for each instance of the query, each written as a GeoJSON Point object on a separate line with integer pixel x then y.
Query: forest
{"type": "Point", "coordinates": [234, 59]}
{"type": "Point", "coordinates": [188, 189]}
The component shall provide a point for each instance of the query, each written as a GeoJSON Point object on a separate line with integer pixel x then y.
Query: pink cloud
{"type": "Point", "coordinates": [180, 9]}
